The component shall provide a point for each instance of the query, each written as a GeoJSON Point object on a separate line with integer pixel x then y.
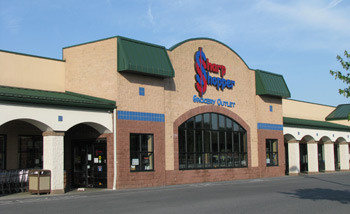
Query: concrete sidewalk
{"type": "Point", "coordinates": [28, 195]}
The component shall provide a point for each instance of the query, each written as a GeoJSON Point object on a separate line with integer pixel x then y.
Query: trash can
{"type": "Point", "coordinates": [39, 181]}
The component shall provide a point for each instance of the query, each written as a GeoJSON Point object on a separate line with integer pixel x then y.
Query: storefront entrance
{"type": "Point", "coordinates": [336, 156]}
{"type": "Point", "coordinates": [89, 164]}
{"type": "Point", "coordinates": [303, 157]}
{"type": "Point", "coordinates": [321, 159]}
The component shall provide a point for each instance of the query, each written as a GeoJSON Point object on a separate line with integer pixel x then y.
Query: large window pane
{"type": "Point", "coordinates": [190, 123]}
{"type": "Point", "coordinates": [141, 152]}
{"type": "Point", "coordinates": [235, 127]}
{"type": "Point", "coordinates": [199, 141]}
{"type": "Point", "coordinates": [190, 161]}
{"type": "Point", "coordinates": [146, 161]}
{"type": "Point", "coordinates": [214, 121]}
{"type": "Point", "coordinates": [222, 159]}
{"type": "Point", "coordinates": [236, 142]}
{"type": "Point", "coordinates": [207, 160]}
{"type": "Point", "coordinates": [229, 158]}
{"type": "Point", "coordinates": [222, 141]}
{"type": "Point", "coordinates": [215, 160]}
{"type": "Point", "coordinates": [31, 152]}
{"type": "Point", "coordinates": [207, 141]}
{"type": "Point", "coordinates": [229, 141]}
{"type": "Point", "coordinates": [190, 140]}
{"type": "Point", "coordinates": [182, 161]}
{"type": "Point", "coordinates": [221, 123]}
{"type": "Point", "coordinates": [212, 140]}
{"type": "Point", "coordinates": [198, 122]}
{"type": "Point", "coordinates": [134, 143]}
{"type": "Point", "coordinates": [206, 120]}
{"type": "Point", "coordinates": [182, 138]}
{"type": "Point", "coordinates": [199, 161]}
{"type": "Point", "coordinates": [228, 124]}
{"type": "Point", "coordinates": [271, 152]}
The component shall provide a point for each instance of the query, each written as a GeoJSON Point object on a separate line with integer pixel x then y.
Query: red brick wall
{"type": "Point", "coordinates": [161, 177]}
{"type": "Point", "coordinates": [110, 156]}
{"type": "Point", "coordinates": [271, 171]}
{"type": "Point", "coordinates": [208, 175]}
{"type": "Point", "coordinates": [127, 179]}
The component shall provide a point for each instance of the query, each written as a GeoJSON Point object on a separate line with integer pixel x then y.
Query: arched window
{"type": "Point", "coordinates": [212, 140]}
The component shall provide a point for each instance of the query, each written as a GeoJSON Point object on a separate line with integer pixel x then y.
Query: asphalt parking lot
{"type": "Point", "coordinates": [323, 193]}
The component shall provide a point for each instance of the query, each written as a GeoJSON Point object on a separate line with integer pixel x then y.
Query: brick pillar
{"type": "Point", "coordinates": [53, 156]}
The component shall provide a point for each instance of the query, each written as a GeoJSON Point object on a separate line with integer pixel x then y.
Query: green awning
{"type": "Point", "coordinates": [340, 113]}
{"type": "Point", "coordinates": [63, 99]}
{"type": "Point", "coordinates": [271, 84]}
{"type": "Point", "coordinates": [313, 124]}
{"type": "Point", "coordinates": [143, 58]}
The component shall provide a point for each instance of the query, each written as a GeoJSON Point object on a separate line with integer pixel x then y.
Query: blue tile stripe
{"type": "Point", "coordinates": [140, 116]}
{"type": "Point", "coordinates": [268, 126]}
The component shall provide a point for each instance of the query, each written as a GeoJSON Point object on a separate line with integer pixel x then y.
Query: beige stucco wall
{"type": "Point", "coordinates": [341, 122]}
{"type": "Point", "coordinates": [92, 68]}
{"type": "Point", "coordinates": [304, 110]}
{"type": "Point", "coordinates": [18, 70]}
{"type": "Point", "coordinates": [180, 90]}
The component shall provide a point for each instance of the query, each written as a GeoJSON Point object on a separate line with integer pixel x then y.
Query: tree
{"type": "Point", "coordinates": [343, 77]}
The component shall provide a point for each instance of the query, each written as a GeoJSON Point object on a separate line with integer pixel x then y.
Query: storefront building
{"type": "Point", "coordinates": [121, 113]}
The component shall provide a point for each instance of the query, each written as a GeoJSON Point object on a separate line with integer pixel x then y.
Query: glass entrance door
{"type": "Point", "coordinates": [303, 157]}
{"type": "Point", "coordinates": [336, 156]}
{"type": "Point", "coordinates": [321, 161]}
{"type": "Point", "coordinates": [90, 164]}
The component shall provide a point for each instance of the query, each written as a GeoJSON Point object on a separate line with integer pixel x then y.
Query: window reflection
{"type": "Point", "coordinates": [212, 140]}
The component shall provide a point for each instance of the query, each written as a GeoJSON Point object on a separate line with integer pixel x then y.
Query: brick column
{"type": "Point", "coordinates": [293, 157]}
{"type": "Point", "coordinates": [53, 156]}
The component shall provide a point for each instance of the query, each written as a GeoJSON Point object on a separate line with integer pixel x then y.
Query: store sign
{"type": "Point", "coordinates": [203, 78]}
{"type": "Point", "coordinates": [218, 102]}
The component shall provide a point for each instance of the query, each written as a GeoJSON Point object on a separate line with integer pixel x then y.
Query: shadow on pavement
{"type": "Point", "coordinates": [342, 196]}
{"type": "Point", "coordinates": [326, 180]}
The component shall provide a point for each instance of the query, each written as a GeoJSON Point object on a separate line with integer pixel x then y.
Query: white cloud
{"type": "Point", "coordinates": [150, 16]}
{"type": "Point", "coordinates": [309, 13]}
{"type": "Point", "coordinates": [333, 3]}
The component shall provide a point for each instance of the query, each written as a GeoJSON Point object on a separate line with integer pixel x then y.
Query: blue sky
{"type": "Point", "coordinates": [298, 39]}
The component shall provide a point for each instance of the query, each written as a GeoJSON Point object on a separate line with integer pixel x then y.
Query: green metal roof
{"type": "Point", "coordinates": [67, 99]}
{"type": "Point", "coordinates": [271, 84]}
{"type": "Point", "coordinates": [143, 58]}
{"type": "Point", "coordinates": [340, 113]}
{"type": "Point", "coordinates": [313, 124]}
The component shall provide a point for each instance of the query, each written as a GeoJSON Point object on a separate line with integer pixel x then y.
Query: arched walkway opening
{"type": "Point", "coordinates": [21, 144]}
{"type": "Point", "coordinates": [321, 153]}
{"type": "Point", "coordinates": [85, 159]}
{"type": "Point", "coordinates": [304, 147]}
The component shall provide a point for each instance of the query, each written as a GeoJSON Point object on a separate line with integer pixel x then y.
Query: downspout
{"type": "Point", "coordinates": [115, 148]}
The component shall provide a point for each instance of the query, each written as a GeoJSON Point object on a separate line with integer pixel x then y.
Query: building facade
{"type": "Point", "coordinates": [120, 113]}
